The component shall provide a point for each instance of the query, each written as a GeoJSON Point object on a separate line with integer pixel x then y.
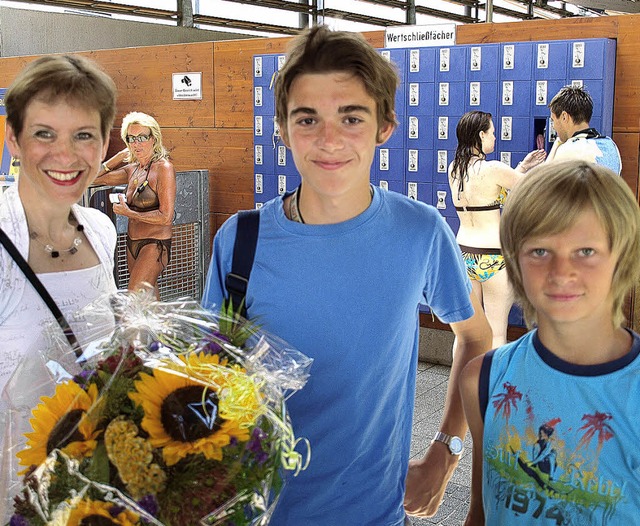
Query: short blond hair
{"type": "Point", "coordinates": [548, 201]}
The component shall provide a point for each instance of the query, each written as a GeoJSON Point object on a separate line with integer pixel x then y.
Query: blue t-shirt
{"type": "Point", "coordinates": [347, 296]}
{"type": "Point", "coordinates": [560, 440]}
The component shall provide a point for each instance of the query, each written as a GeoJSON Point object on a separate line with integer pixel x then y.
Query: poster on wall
{"type": "Point", "coordinates": [8, 166]}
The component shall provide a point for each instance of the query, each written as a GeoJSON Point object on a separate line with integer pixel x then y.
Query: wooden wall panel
{"type": "Point", "coordinates": [144, 79]}
{"type": "Point", "coordinates": [233, 63]}
{"type": "Point", "coordinates": [629, 146]}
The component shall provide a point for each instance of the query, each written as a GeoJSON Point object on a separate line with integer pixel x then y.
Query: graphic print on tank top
{"type": "Point", "coordinates": [545, 468]}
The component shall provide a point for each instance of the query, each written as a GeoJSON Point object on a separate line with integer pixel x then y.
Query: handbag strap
{"type": "Point", "coordinates": [40, 289]}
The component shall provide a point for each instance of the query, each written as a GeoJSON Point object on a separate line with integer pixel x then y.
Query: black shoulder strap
{"type": "Point", "coordinates": [40, 289]}
{"type": "Point", "coordinates": [483, 382]}
{"type": "Point", "coordinates": [244, 251]}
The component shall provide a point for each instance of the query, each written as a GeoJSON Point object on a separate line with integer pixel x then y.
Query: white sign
{"type": "Point", "coordinates": [420, 36]}
{"type": "Point", "coordinates": [187, 86]}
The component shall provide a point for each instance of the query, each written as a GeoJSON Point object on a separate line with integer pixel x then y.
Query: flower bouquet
{"type": "Point", "coordinates": [176, 417]}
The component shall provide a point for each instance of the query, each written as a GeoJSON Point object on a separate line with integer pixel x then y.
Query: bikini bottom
{"type": "Point", "coordinates": [482, 263]}
{"type": "Point", "coordinates": [135, 245]}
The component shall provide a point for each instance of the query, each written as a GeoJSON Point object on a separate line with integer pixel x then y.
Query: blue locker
{"type": "Point", "coordinates": [391, 186]}
{"type": "Point", "coordinates": [422, 192]}
{"type": "Point", "coordinates": [397, 57]}
{"type": "Point", "coordinates": [516, 61]}
{"type": "Point", "coordinates": [543, 91]}
{"type": "Point", "coordinates": [514, 134]}
{"type": "Point", "coordinates": [263, 101]}
{"type": "Point", "coordinates": [265, 187]}
{"type": "Point", "coordinates": [420, 98]}
{"type": "Point", "coordinates": [419, 132]}
{"type": "Point", "coordinates": [482, 62]}
{"type": "Point", "coordinates": [419, 165]}
{"type": "Point", "coordinates": [551, 60]}
{"type": "Point", "coordinates": [422, 65]}
{"type": "Point", "coordinates": [284, 161]}
{"type": "Point", "coordinates": [263, 130]}
{"type": "Point", "coordinates": [482, 96]}
{"type": "Point", "coordinates": [388, 164]}
{"type": "Point", "coordinates": [452, 64]}
{"type": "Point", "coordinates": [450, 98]}
{"type": "Point", "coordinates": [264, 66]}
{"type": "Point", "coordinates": [515, 98]}
{"type": "Point", "coordinates": [511, 158]}
{"type": "Point", "coordinates": [454, 223]}
{"type": "Point", "coordinates": [441, 161]}
{"type": "Point", "coordinates": [516, 317]}
{"type": "Point", "coordinates": [263, 159]}
{"type": "Point", "coordinates": [442, 200]}
{"type": "Point", "coordinates": [397, 137]}
{"type": "Point", "coordinates": [591, 58]}
{"type": "Point", "coordinates": [400, 100]}
{"type": "Point", "coordinates": [445, 127]}
{"type": "Point", "coordinates": [286, 183]}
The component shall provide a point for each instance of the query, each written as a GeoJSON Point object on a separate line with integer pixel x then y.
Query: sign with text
{"type": "Point", "coordinates": [420, 36]}
{"type": "Point", "coordinates": [187, 86]}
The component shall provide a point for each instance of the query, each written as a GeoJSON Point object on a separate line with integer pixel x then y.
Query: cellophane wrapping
{"type": "Point", "coordinates": [169, 414]}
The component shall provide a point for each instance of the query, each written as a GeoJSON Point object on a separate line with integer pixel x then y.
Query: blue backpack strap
{"type": "Point", "coordinates": [244, 251]}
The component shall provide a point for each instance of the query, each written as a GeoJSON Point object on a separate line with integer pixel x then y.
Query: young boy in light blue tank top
{"type": "Point", "coordinates": [553, 415]}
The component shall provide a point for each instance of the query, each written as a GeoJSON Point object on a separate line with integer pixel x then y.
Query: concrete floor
{"type": "Point", "coordinates": [431, 387]}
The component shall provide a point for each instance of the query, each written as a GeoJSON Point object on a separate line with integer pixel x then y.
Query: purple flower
{"type": "Point", "coordinates": [114, 511]}
{"type": "Point", "coordinates": [149, 504]}
{"type": "Point", "coordinates": [255, 445]}
{"type": "Point", "coordinates": [18, 520]}
{"type": "Point", "coordinates": [212, 346]}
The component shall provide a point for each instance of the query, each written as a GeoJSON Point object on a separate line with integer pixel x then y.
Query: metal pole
{"type": "Point", "coordinates": [411, 12]}
{"type": "Point", "coordinates": [489, 8]}
{"type": "Point", "coordinates": [185, 13]}
{"type": "Point", "coordinates": [303, 18]}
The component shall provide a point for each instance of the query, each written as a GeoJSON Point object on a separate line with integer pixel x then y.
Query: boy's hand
{"type": "Point", "coordinates": [427, 480]}
{"type": "Point", "coordinates": [475, 516]}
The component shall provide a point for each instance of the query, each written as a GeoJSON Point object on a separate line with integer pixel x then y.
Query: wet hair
{"type": "Point", "coordinates": [469, 142]}
{"type": "Point", "coordinates": [575, 100]}
{"type": "Point", "coordinates": [74, 79]}
{"type": "Point", "coordinates": [548, 202]}
{"type": "Point", "coordinates": [142, 119]}
{"type": "Point", "coordinates": [321, 50]}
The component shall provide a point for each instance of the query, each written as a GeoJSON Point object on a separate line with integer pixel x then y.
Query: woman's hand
{"type": "Point", "coordinates": [532, 159]}
{"type": "Point", "coordinates": [121, 207]}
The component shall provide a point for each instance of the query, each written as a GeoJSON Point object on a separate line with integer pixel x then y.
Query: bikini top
{"type": "Point", "coordinates": [496, 205]}
{"type": "Point", "coordinates": [144, 198]}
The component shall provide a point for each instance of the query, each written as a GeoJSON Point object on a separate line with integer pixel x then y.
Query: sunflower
{"type": "Point", "coordinates": [98, 513]}
{"type": "Point", "coordinates": [62, 422]}
{"type": "Point", "coordinates": [196, 407]}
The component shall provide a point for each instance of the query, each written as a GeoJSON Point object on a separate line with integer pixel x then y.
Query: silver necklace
{"type": "Point", "coordinates": [56, 253]}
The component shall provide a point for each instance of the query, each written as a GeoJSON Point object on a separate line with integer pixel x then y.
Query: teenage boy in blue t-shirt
{"type": "Point", "coordinates": [553, 415]}
{"type": "Point", "coordinates": [340, 269]}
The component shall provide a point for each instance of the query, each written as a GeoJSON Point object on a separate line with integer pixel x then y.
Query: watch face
{"type": "Point", "coordinates": [455, 445]}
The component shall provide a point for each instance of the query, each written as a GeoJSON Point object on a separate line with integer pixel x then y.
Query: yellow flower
{"type": "Point", "coordinates": [196, 407]}
{"type": "Point", "coordinates": [132, 456]}
{"type": "Point", "coordinates": [96, 512]}
{"type": "Point", "coordinates": [62, 422]}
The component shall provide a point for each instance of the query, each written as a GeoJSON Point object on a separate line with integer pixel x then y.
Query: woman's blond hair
{"type": "Point", "coordinates": [142, 119]}
{"type": "Point", "coordinates": [548, 201]}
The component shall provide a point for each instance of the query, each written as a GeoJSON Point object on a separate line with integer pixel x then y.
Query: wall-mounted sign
{"type": "Point", "coordinates": [420, 36]}
{"type": "Point", "coordinates": [187, 86]}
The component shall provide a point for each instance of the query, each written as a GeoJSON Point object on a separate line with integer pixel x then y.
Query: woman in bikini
{"type": "Point", "coordinates": [478, 188]}
{"type": "Point", "coordinates": [149, 199]}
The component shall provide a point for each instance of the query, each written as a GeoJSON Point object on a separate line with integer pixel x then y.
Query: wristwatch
{"type": "Point", "coordinates": [454, 443]}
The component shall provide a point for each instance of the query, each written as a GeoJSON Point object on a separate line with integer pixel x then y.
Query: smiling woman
{"type": "Point", "coordinates": [60, 110]}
